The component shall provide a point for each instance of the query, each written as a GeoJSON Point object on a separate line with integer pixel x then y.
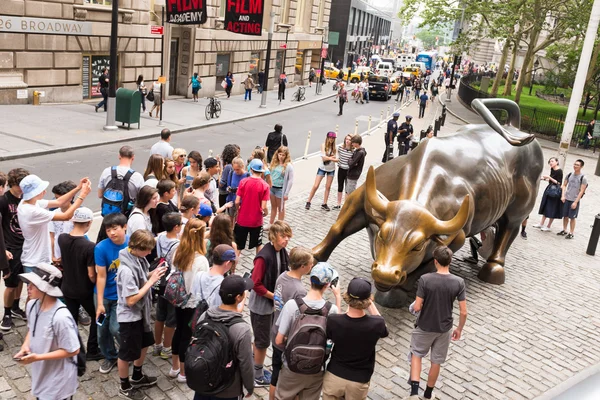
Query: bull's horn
{"type": "Point", "coordinates": [456, 223]}
{"type": "Point", "coordinates": [378, 203]}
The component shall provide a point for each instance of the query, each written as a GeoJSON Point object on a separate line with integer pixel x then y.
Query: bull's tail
{"type": "Point", "coordinates": [514, 136]}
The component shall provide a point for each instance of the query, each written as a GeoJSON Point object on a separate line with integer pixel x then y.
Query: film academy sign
{"type": "Point", "coordinates": [186, 12]}
{"type": "Point", "coordinates": [244, 16]}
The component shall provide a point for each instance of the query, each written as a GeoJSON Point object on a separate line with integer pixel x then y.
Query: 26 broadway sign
{"type": "Point", "coordinates": [244, 16]}
{"type": "Point", "coordinates": [44, 25]}
{"type": "Point", "coordinates": [186, 12]}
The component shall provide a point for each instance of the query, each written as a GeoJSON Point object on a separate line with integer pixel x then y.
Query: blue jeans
{"type": "Point", "coordinates": [109, 331]}
{"type": "Point", "coordinates": [366, 95]}
{"type": "Point", "coordinates": [248, 94]}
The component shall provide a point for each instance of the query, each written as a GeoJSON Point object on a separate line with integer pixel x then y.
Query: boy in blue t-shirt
{"type": "Point", "coordinates": [106, 255]}
{"type": "Point", "coordinates": [239, 173]}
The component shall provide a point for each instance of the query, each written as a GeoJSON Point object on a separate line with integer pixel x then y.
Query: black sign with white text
{"type": "Point", "coordinates": [186, 12]}
{"type": "Point", "coordinates": [244, 16]}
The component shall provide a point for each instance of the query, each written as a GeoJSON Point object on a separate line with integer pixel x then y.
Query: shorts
{"type": "Point", "coordinates": [261, 326]}
{"type": "Point", "coordinates": [15, 268]}
{"type": "Point", "coordinates": [421, 342]}
{"type": "Point", "coordinates": [195, 90]}
{"type": "Point", "coordinates": [277, 192]}
{"type": "Point", "coordinates": [165, 312]}
{"type": "Point", "coordinates": [320, 172]}
{"type": "Point", "coordinates": [133, 340]}
{"type": "Point", "coordinates": [241, 235]}
{"type": "Point", "coordinates": [335, 387]}
{"type": "Point", "coordinates": [568, 212]}
{"type": "Point", "coordinates": [351, 185]}
{"type": "Point", "coordinates": [276, 365]}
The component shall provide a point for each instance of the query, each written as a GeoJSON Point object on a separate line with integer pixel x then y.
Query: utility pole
{"type": "Point", "coordinates": [163, 91]}
{"type": "Point", "coordinates": [263, 100]}
{"type": "Point", "coordinates": [579, 85]}
{"type": "Point", "coordinates": [112, 72]}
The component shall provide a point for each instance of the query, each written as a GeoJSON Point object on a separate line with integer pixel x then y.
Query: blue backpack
{"type": "Point", "coordinates": [115, 198]}
{"type": "Point", "coordinates": [195, 83]}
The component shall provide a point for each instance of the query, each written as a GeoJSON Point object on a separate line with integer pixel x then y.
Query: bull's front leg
{"type": "Point", "coordinates": [493, 270]}
{"type": "Point", "coordinates": [352, 219]}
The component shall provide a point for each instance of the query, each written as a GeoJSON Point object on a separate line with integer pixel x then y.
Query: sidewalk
{"type": "Point", "coordinates": [28, 130]}
{"type": "Point", "coordinates": [465, 114]}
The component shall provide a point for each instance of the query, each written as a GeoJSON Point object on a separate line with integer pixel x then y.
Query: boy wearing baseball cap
{"type": "Point", "coordinates": [79, 273]}
{"type": "Point", "coordinates": [354, 335]}
{"type": "Point", "coordinates": [51, 344]}
{"type": "Point", "coordinates": [206, 284]}
{"type": "Point", "coordinates": [292, 384]}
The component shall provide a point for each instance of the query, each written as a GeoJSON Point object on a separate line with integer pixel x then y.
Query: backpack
{"type": "Point", "coordinates": [115, 198]}
{"type": "Point", "coordinates": [195, 83]}
{"type": "Point", "coordinates": [209, 360]}
{"type": "Point", "coordinates": [81, 358]}
{"type": "Point", "coordinates": [306, 348]}
{"type": "Point", "coordinates": [580, 183]}
{"type": "Point", "coordinates": [175, 292]}
{"type": "Point", "coordinates": [159, 260]}
{"type": "Point", "coordinates": [201, 308]}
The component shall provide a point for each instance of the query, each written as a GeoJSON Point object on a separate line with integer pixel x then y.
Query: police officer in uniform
{"type": "Point", "coordinates": [405, 134]}
{"type": "Point", "coordinates": [391, 132]}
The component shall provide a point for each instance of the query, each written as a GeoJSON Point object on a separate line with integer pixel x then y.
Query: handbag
{"type": "Point", "coordinates": [224, 84]}
{"type": "Point", "coordinates": [554, 191]}
{"type": "Point", "coordinates": [150, 95]}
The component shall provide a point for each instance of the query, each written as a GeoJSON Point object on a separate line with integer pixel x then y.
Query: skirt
{"type": "Point", "coordinates": [551, 207]}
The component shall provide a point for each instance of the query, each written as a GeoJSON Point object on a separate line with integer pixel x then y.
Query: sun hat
{"type": "Point", "coordinates": [47, 278]}
{"type": "Point", "coordinates": [321, 274]}
{"type": "Point", "coordinates": [256, 165]}
{"type": "Point", "coordinates": [82, 214]}
{"type": "Point", "coordinates": [31, 186]}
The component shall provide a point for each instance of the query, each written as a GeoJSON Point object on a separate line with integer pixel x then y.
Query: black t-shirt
{"type": "Point", "coordinates": [438, 292]}
{"type": "Point", "coordinates": [77, 254]}
{"type": "Point", "coordinates": [407, 128]}
{"type": "Point", "coordinates": [274, 141]}
{"type": "Point", "coordinates": [103, 81]}
{"type": "Point", "coordinates": [13, 236]}
{"type": "Point", "coordinates": [162, 209]}
{"type": "Point", "coordinates": [354, 340]}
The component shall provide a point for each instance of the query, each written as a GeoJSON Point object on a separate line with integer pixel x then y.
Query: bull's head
{"type": "Point", "coordinates": [407, 233]}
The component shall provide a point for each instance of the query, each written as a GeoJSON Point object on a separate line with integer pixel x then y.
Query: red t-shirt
{"type": "Point", "coordinates": [252, 192]}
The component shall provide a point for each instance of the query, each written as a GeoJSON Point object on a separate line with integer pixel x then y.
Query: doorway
{"type": "Point", "coordinates": [223, 66]}
{"type": "Point", "coordinates": [173, 65]}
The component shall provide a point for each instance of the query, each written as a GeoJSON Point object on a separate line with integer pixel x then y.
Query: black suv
{"type": "Point", "coordinates": [380, 86]}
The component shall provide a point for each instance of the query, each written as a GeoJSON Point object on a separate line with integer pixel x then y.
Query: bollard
{"type": "Point", "coordinates": [210, 152]}
{"type": "Point", "coordinates": [436, 127]}
{"type": "Point", "coordinates": [36, 98]}
{"type": "Point", "coordinates": [337, 129]}
{"type": "Point", "coordinates": [593, 243]}
{"type": "Point", "coordinates": [443, 119]}
{"type": "Point", "coordinates": [395, 106]}
{"type": "Point", "coordinates": [306, 147]}
{"type": "Point", "coordinates": [369, 126]}
{"type": "Point", "coordinates": [356, 127]}
{"type": "Point", "coordinates": [381, 117]}
{"type": "Point", "coordinates": [387, 114]}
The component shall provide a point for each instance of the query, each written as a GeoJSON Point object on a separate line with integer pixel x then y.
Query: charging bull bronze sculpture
{"type": "Point", "coordinates": [445, 190]}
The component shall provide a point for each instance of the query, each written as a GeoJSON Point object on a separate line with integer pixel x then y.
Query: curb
{"type": "Point", "coordinates": [42, 152]}
{"type": "Point", "coordinates": [562, 387]}
{"type": "Point", "coordinates": [452, 112]}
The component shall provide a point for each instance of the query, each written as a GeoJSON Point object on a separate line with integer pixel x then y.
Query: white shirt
{"type": "Point", "coordinates": [163, 149]}
{"type": "Point", "coordinates": [58, 228]}
{"type": "Point", "coordinates": [34, 222]}
{"type": "Point", "coordinates": [138, 220]}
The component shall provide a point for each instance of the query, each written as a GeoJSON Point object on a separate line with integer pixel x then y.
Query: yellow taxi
{"type": "Point", "coordinates": [396, 80]}
{"type": "Point", "coordinates": [355, 76]}
{"type": "Point", "coordinates": [413, 71]}
{"type": "Point", "coordinates": [331, 72]}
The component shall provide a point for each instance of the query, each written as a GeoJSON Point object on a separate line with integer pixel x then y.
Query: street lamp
{"type": "Point", "coordinates": [536, 65]}
{"type": "Point", "coordinates": [287, 31]}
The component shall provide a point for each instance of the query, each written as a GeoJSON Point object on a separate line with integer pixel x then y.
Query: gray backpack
{"type": "Point", "coordinates": [305, 351]}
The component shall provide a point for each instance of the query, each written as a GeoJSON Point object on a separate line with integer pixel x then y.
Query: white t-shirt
{"type": "Point", "coordinates": [59, 227]}
{"type": "Point", "coordinates": [163, 149]}
{"type": "Point", "coordinates": [34, 223]}
{"type": "Point", "coordinates": [136, 182]}
{"type": "Point", "coordinates": [138, 220]}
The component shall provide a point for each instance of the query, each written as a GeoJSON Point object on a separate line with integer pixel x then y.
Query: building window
{"type": "Point", "coordinates": [285, 11]}
{"type": "Point", "coordinates": [321, 13]}
{"type": "Point", "coordinates": [222, 8]}
{"type": "Point", "coordinates": [99, 2]}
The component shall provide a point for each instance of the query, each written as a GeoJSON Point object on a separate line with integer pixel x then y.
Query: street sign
{"type": "Point", "coordinates": [334, 38]}
{"type": "Point", "coordinates": [283, 46]}
{"type": "Point", "coordinates": [323, 52]}
{"type": "Point", "coordinates": [157, 30]}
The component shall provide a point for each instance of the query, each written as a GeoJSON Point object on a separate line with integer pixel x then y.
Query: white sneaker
{"type": "Point", "coordinates": [173, 373]}
{"type": "Point", "coordinates": [181, 379]}
{"type": "Point", "coordinates": [545, 229]}
{"type": "Point", "coordinates": [537, 225]}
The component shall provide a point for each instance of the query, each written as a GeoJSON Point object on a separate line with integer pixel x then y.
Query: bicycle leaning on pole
{"type": "Point", "coordinates": [299, 94]}
{"type": "Point", "coordinates": [213, 108]}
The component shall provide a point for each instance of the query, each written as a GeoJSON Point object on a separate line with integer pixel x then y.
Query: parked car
{"type": "Point", "coordinates": [380, 86]}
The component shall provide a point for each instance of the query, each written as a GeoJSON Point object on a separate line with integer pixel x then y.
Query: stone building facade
{"type": "Point", "coordinates": [58, 47]}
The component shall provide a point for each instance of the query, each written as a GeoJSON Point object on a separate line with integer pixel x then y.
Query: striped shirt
{"type": "Point", "coordinates": [343, 157]}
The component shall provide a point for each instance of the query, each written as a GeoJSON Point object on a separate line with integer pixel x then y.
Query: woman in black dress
{"type": "Point", "coordinates": [551, 207]}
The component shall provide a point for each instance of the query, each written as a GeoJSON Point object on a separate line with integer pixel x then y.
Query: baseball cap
{"type": "Point", "coordinates": [321, 274]}
{"type": "Point", "coordinates": [359, 289]}
{"type": "Point", "coordinates": [256, 165]}
{"type": "Point", "coordinates": [331, 134]}
{"type": "Point", "coordinates": [396, 114]}
{"type": "Point", "coordinates": [205, 210]}
{"type": "Point", "coordinates": [31, 186]}
{"type": "Point", "coordinates": [83, 214]}
{"type": "Point", "coordinates": [234, 285]}
{"type": "Point", "coordinates": [210, 162]}
{"type": "Point", "coordinates": [225, 252]}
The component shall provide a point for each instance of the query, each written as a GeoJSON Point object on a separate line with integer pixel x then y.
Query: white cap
{"type": "Point", "coordinates": [83, 214]}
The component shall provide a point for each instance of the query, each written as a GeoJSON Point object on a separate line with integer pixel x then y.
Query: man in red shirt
{"type": "Point", "coordinates": [251, 201]}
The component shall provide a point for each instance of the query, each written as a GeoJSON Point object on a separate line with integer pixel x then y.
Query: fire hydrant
{"type": "Point", "coordinates": [36, 98]}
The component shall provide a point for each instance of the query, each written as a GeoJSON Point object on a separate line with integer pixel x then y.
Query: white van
{"type": "Point", "coordinates": [384, 68]}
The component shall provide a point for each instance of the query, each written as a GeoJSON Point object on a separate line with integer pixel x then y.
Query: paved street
{"type": "Point", "coordinates": [521, 338]}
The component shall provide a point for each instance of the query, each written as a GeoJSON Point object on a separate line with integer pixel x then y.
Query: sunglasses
{"type": "Point", "coordinates": [183, 155]}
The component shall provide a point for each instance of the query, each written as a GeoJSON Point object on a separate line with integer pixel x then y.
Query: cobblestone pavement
{"type": "Point", "coordinates": [521, 338]}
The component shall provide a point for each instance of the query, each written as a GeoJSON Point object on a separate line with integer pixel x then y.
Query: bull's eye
{"type": "Point", "coordinates": [419, 247]}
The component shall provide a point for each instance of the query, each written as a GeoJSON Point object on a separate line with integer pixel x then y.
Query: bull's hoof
{"type": "Point", "coordinates": [394, 298]}
{"type": "Point", "coordinates": [492, 272]}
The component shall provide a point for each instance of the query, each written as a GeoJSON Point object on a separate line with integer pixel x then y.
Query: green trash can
{"type": "Point", "coordinates": [128, 107]}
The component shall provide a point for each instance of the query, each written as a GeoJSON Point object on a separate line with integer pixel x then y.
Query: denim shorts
{"type": "Point", "coordinates": [277, 192]}
{"type": "Point", "coordinates": [320, 172]}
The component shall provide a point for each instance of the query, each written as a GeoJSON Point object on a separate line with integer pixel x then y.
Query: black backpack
{"type": "Point", "coordinates": [580, 183]}
{"type": "Point", "coordinates": [115, 197]}
{"type": "Point", "coordinates": [209, 362]}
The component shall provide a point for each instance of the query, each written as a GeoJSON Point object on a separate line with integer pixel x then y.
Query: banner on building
{"type": "Point", "coordinates": [186, 12]}
{"type": "Point", "coordinates": [244, 16]}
